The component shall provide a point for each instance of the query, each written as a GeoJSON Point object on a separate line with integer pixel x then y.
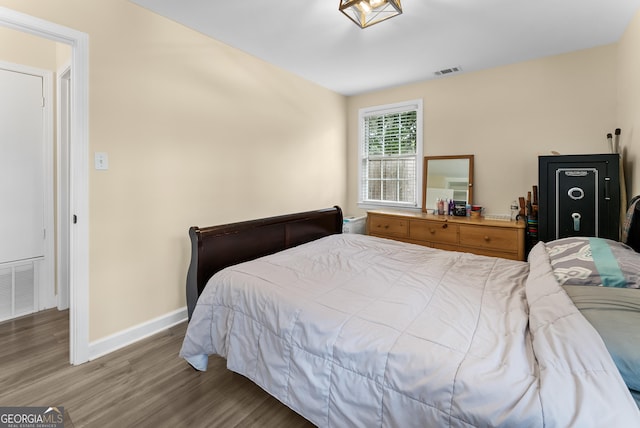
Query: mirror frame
{"type": "Point", "coordinates": [426, 170]}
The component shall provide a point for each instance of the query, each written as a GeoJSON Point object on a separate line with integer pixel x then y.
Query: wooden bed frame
{"type": "Point", "coordinates": [216, 247]}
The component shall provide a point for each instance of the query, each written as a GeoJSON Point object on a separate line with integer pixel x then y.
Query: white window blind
{"type": "Point", "coordinates": [390, 153]}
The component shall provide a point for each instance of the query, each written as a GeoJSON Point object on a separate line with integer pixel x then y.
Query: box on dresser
{"type": "Point", "coordinates": [352, 224]}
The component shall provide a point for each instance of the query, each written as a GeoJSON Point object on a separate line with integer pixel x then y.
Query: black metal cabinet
{"type": "Point", "coordinates": [579, 195]}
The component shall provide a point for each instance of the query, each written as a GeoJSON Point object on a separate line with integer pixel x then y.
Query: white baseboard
{"type": "Point", "coordinates": [133, 334]}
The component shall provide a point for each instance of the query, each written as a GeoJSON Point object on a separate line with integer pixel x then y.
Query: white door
{"type": "Point", "coordinates": [22, 189]}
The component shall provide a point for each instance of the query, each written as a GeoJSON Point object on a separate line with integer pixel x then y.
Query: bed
{"type": "Point", "coordinates": [354, 330]}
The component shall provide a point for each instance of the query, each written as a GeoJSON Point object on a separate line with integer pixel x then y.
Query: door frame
{"type": "Point", "coordinates": [63, 92]}
{"type": "Point", "coordinates": [78, 171]}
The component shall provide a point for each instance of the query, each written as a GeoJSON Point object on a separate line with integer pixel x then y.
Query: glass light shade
{"type": "Point", "coordinates": [365, 13]}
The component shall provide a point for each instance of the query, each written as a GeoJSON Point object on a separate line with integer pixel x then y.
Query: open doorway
{"type": "Point", "coordinates": [78, 192]}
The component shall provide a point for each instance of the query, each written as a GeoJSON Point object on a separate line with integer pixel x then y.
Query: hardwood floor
{"type": "Point", "coordinates": [143, 385]}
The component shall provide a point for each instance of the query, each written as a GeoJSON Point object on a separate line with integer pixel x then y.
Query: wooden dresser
{"type": "Point", "coordinates": [487, 237]}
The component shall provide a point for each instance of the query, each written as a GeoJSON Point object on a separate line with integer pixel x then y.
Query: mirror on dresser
{"type": "Point", "coordinates": [447, 177]}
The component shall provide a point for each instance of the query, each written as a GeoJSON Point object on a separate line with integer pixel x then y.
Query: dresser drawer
{"type": "Point", "coordinates": [494, 238]}
{"type": "Point", "coordinates": [434, 231]}
{"type": "Point", "coordinates": [381, 225]}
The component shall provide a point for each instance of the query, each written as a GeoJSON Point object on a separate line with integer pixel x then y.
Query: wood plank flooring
{"type": "Point", "coordinates": [143, 385]}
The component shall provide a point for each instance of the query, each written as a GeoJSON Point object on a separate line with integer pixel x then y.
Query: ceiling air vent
{"type": "Point", "coordinates": [448, 71]}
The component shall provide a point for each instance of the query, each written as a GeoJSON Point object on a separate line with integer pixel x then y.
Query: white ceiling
{"type": "Point", "coordinates": [312, 39]}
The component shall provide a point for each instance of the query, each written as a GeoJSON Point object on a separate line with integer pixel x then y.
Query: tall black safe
{"type": "Point", "coordinates": [579, 195]}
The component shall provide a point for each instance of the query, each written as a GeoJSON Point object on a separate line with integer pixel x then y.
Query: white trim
{"type": "Point", "coordinates": [63, 218]}
{"type": "Point", "coordinates": [386, 109]}
{"type": "Point", "coordinates": [377, 206]}
{"type": "Point", "coordinates": [133, 334]}
{"type": "Point", "coordinates": [47, 293]}
{"type": "Point", "coordinates": [392, 108]}
{"type": "Point", "coordinates": [79, 202]}
{"type": "Point", "coordinates": [47, 273]}
{"type": "Point", "coordinates": [79, 166]}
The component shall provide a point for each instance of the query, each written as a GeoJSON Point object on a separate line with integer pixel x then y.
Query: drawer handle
{"type": "Point", "coordinates": [386, 226]}
{"type": "Point", "coordinates": [432, 231]}
{"type": "Point", "coordinates": [486, 238]}
{"type": "Point", "coordinates": [444, 226]}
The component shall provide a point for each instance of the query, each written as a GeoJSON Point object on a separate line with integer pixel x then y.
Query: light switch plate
{"type": "Point", "coordinates": [101, 161]}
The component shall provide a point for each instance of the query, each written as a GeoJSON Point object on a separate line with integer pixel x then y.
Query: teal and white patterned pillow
{"type": "Point", "coordinates": [594, 261]}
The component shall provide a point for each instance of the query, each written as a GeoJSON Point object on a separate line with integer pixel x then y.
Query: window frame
{"type": "Point", "coordinates": [401, 107]}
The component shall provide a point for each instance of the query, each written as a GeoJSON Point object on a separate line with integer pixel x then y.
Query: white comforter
{"type": "Point", "coordinates": [352, 330]}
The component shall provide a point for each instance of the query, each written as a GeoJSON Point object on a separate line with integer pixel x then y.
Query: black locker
{"type": "Point", "coordinates": [579, 195]}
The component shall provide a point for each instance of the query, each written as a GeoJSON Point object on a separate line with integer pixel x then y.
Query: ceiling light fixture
{"type": "Point", "coordinates": [365, 13]}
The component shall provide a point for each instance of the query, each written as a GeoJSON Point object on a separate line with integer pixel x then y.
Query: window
{"type": "Point", "coordinates": [390, 152]}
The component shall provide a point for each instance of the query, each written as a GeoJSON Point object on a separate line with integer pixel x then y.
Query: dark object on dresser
{"type": "Point", "coordinates": [217, 247]}
{"type": "Point", "coordinates": [579, 196]}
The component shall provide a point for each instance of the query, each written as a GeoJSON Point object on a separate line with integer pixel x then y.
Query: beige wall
{"type": "Point", "coordinates": [507, 117]}
{"type": "Point", "coordinates": [197, 133]}
{"type": "Point", "coordinates": [628, 71]}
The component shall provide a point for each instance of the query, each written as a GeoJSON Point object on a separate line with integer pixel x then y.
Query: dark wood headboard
{"type": "Point", "coordinates": [216, 247]}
